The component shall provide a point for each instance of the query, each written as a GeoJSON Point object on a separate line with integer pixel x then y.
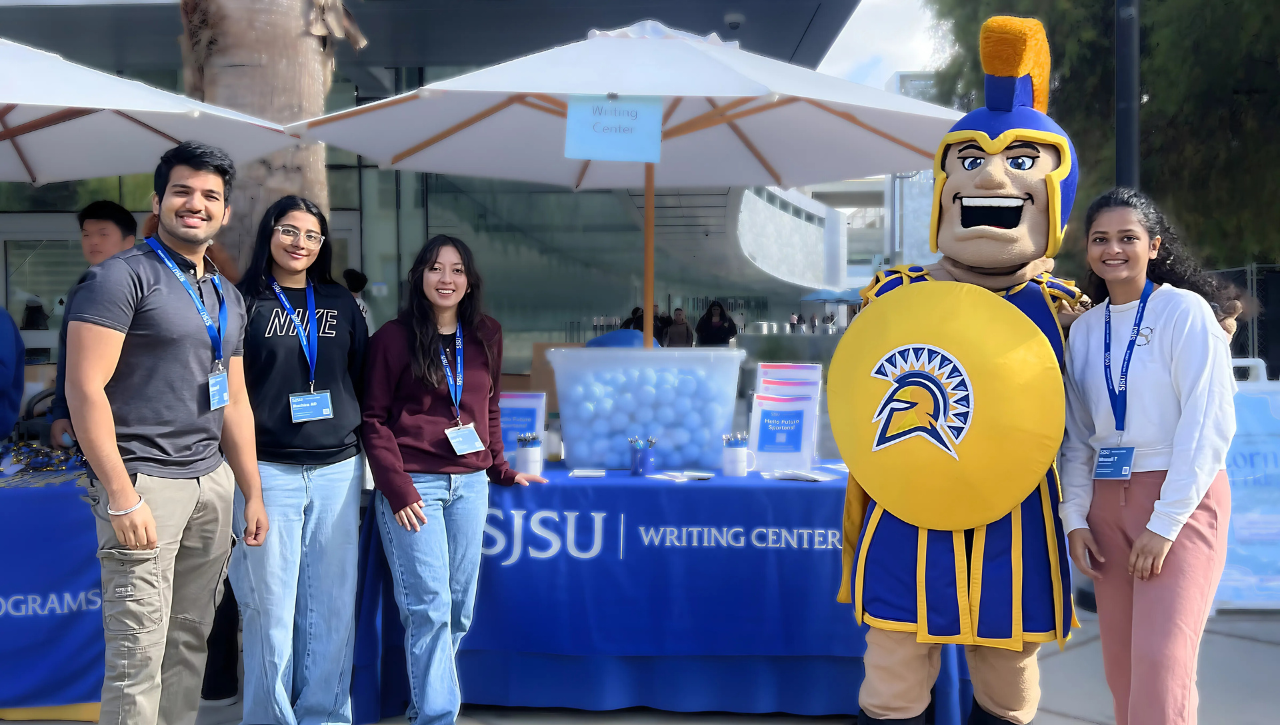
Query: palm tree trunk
{"type": "Point", "coordinates": [272, 59]}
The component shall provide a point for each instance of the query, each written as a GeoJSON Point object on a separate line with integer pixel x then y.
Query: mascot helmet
{"type": "Point", "coordinates": [1015, 58]}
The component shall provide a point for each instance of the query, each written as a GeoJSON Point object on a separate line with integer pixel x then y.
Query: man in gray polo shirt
{"type": "Point", "coordinates": [155, 384]}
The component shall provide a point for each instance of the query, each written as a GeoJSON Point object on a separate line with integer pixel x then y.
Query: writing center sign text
{"type": "Point", "coordinates": [614, 129]}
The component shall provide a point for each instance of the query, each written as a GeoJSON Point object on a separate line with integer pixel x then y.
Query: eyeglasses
{"type": "Point", "coordinates": [291, 234]}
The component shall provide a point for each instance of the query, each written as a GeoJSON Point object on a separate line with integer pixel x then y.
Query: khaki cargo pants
{"type": "Point", "coordinates": [157, 606]}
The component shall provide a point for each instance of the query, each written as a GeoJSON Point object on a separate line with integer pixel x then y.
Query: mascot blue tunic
{"type": "Point", "coordinates": [946, 400]}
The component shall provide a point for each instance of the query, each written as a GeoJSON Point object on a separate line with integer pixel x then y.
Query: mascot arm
{"type": "Point", "coordinates": [855, 512]}
{"type": "Point", "coordinates": [855, 499]}
{"type": "Point", "coordinates": [1069, 301]}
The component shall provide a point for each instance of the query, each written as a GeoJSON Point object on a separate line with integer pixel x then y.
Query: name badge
{"type": "Point", "coordinates": [219, 390]}
{"type": "Point", "coordinates": [310, 406]}
{"type": "Point", "coordinates": [464, 439]}
{"type": "Point", "coordinates": [1114, 464]}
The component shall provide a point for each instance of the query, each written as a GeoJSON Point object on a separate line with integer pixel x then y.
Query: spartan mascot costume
{"type": "Point", "coordinates": [946, 399]}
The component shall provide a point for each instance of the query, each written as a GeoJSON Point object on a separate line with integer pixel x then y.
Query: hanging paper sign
{"type": "Point", "coordinates": [623, 128]}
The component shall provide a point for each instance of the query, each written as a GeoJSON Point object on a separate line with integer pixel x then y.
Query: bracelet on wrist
{"type": "Point", "coordinates": [129, 510]}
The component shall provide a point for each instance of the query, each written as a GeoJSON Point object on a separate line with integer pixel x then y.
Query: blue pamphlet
{"type": "Point", "coordinates": [518, 421]}
{"type": "Point", "coordinates": [781, 431]}
{"type": "Point", "coordinates": [219, 390]}
{"type": "Point", "coordinates": [628, 128]}
{"type": "Point", "coordinates": [1114, 464]}
{"type": "Point", "coordinates": [310, 406]}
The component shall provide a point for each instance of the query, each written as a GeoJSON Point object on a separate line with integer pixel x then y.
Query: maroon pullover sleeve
{"type": "Point", "coordinates": [388, 361]}
{"type": "Point", "coordinates": [499, 472]}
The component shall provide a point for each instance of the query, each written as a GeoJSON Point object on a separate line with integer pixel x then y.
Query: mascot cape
{"type": "Point", "coordinates": [946, 397]}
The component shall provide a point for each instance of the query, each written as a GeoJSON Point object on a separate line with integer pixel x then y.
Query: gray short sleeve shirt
{"type": "Point", "coordinates": [160, 391]}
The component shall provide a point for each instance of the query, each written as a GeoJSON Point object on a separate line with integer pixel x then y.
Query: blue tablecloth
{"type": "Point", "coordinates": [51, 647]}
{"type": "Point", "coordinates": [618, 592]}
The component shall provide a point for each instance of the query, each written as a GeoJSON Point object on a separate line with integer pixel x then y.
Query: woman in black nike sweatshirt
{"type": "Point", "coordinates": [303, 355]}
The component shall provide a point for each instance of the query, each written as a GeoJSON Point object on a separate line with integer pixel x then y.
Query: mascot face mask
{"type": "Point", "coordinates": [1005, 175]}
{"type": "Point", "coordinates": [995, 206]}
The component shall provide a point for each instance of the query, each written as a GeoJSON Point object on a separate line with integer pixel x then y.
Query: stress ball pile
{"type": "Point", "coordinates": [683, 402]}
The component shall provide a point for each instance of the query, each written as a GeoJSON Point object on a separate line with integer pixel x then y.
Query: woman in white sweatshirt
{"type": "Point", "coordinates": [1149, 420]}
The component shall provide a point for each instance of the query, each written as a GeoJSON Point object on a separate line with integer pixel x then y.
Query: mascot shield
{"type": "Point", "coordinates": [951, 421]}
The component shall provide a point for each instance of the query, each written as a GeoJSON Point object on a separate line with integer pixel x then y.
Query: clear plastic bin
{"type": "Point", "coordinates": [683, 399]}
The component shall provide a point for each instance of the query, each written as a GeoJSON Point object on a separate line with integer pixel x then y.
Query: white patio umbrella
{"type": "Point", "coordinates": [731, 118]}
{"type": "Point", "coordinates": [60, 121]}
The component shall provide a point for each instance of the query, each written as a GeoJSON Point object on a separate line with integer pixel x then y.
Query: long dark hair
{"type": "Point", "coordinates": [1174, 264]}
{"type": "Point", "coordinates": [257, 278]}
{"type": "Point", "coordinates": [421, 316]}
{"type": "Point", "coordinates": [706, 315]}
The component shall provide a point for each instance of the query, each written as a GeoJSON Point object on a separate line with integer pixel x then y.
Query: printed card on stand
{"type": "Point", "coordinates": [522, 414]}
{"type": "Point", "coordinates": [782, 431]}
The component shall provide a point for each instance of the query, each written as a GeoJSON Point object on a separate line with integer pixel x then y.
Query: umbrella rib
{"type": "Point", "coordinates": [708, 119]}
{"type": "Point", "coordinates": [582, 173]}
{"type": "Point", "coordinates": [777, 179]}
{"type": "Point", "coordinates": [675, 103]}
{"type": "Point", "coordinates": [550, 101]}
{"type": "Point", "coordinates": [688, 127]}
{"type": "Point", "coordinates": [351, 113]}
{"type": "Point", "coordinates": [538, 106]}
{"type": "Point", "coordinates": [5, 111]}
{"type": "Point", "coordinates": [16, 148]}
{"type": "Point", "coordinates": [868, 127]}
{"type": "Point", "coordinates": [147, 126]}
{"type": "Point", "coordinates": [459, 126]}
{"type": "Point", "coordinates": [39, 124]}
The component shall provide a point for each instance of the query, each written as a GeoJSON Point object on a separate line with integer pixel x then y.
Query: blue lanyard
{"type": "Point", "coordinates": [1119, 394]}
{"type": "Point", "coordinates": [214, 337]}
{"type": "Point", "coordinates": [455, 386]}
{"type": "Point", "coordinates": [310, 345]}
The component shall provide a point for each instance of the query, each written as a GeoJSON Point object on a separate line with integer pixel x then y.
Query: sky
{"type": "Point", "coordinates": [883, 37]}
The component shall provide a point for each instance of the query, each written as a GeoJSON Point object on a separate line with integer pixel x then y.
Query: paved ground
{"type": "Point", "coordinates": [1239, 685]}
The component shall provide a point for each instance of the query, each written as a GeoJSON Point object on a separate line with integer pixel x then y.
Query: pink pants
{"type": "Point", "coordinates": [1151, 629]}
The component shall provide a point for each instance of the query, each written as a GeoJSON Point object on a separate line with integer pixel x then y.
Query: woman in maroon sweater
{"type": "Point", "coordinates": [432, 434]}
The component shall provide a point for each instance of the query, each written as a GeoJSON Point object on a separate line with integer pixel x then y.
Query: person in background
{"type": "Point", "coordinates": [106, 229]}
{"type": "Point", "coordinates": [635, 321]}
{"type": "Point", "coordinates": [155, 385]}
{"type": "Point", "coordinates": [1152, 532]}
{"type": "Point", "coordinates": [304, 354]}
{"type": "Point", "coordinates": [660, 324]}
{"type": "Point", "coordinates": [356, 282]}
{"type": "Point", "coordinates": [715, 328]}
{"type": "Point", "coordinates": [433, 435]}
{"type": "Point", "coordinates": [813, 323]}
{"type": "Point", "coordinates": [679, 333]}
{"type": "Point", "coordinates": [13, 373]}
{"type": "Point", "coordinates": [792, 322]}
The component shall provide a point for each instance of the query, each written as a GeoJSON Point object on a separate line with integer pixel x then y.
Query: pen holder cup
{"type": "Point", "coordinates": [736, 462]}
{"type": "Point", "coordinates": [642, 461]}
{"type": "Point", "coordinates": [529, 460]}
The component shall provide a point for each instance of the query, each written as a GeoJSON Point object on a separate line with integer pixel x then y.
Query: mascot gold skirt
{"type": "Point", "coordinates": [946, 400]}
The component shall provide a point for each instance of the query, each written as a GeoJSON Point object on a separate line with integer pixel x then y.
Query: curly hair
{"type": "Point", "coordinates": [1173, 264]}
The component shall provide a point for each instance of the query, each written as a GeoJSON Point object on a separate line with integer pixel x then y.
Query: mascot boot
{"type": "Point", "coordinates": [946, 399]}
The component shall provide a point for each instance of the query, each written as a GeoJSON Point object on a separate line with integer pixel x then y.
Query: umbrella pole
{"type": "Point", "coordinates": [648, 254]}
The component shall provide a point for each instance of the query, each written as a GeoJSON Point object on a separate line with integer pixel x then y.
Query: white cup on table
{"type": "Point", "coordinates": [735, 462]}
{"type": "Point", "coordinates": [529, 460]}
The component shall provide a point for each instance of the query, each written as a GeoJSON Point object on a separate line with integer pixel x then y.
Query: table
{"type": "Point", "coordinates": [617, 592]}
{"type": "Point", "coordinates": [51, 646]}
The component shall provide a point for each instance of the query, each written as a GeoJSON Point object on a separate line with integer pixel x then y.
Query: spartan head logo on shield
{"type": "Point", "coordinates": [930, 397]}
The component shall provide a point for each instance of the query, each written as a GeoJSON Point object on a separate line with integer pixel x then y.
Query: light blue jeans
{"type": "Point", "coordinates": [434, 574]}
{"type": "Point", "coordinates": [297, 594]}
